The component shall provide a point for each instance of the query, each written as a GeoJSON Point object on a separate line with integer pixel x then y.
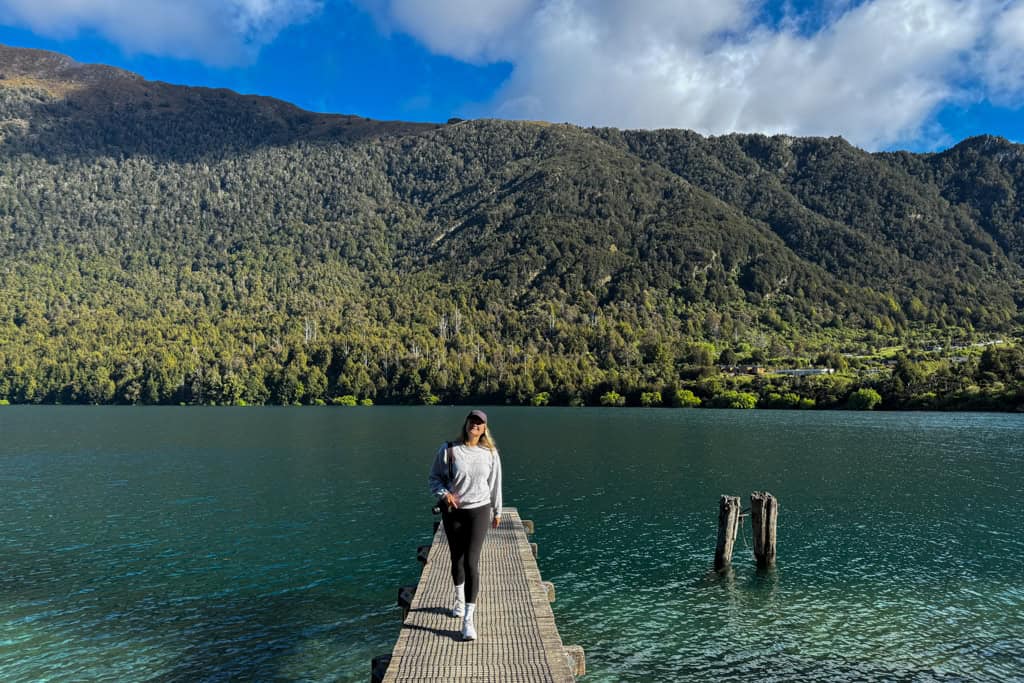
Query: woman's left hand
{"type": "Point", "coordinates": [496, 521]}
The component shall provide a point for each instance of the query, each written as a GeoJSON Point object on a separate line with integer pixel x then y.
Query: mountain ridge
{"type": "Point", "coordinates": [108, 105]}
{"type": "Point", "coordinates": [309, 255]}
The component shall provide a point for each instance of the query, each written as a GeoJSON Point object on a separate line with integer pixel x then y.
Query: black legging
{"type": "Point", "coordinates": [466, 530]}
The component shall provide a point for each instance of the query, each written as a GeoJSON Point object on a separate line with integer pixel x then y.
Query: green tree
{"type": "Point", "coordinates": [784, 400]}
{"type": "Point", "coordinates": [684, 398]}
{"type": "Point", "coordinates": [612, 398]}
{"type": "Point", "coordinates": [734, 399]}
{"type": "Point", "coordinates": [650, 399]}
{"type": "Point", "coordinates": [864, 398]}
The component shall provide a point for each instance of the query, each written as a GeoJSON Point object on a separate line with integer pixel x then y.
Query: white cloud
{"type": "Point", "coordinates": [875, 71]}
{"type": "Point", "coordinates": [874, 76]}
{"type": "Point", "coordinates": [1004, 61]}
{"type": "Point", "coordinates": [217, 32]}
{"type": "Point", "coordinates": [470, 31]}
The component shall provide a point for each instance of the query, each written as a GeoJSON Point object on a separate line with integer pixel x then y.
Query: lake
{"type": "Point", "coordinates": [215, 544]}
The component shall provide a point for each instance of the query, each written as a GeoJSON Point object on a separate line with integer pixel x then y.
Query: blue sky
{"type": "Point", "coordinates": [885, 74]}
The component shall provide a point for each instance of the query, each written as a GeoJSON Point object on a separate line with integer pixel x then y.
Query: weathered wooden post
{"type": "Point", "coordinates": [764, 514]}
{"type": "Point", "coordinates": [577, 660]}
{"type": "Point", "coordinates": [728, 525]}
{"type": "Point", "coordinates": [405, 596]}
{"type": "Point", "coordinates": [379, 667]}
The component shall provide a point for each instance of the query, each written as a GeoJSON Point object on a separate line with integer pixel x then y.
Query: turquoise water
{"type": "Point", "coordinates": [192, 544]}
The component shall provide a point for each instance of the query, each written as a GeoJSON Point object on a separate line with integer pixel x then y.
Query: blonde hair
{"type": "Point", "coordinates": [486, 439]}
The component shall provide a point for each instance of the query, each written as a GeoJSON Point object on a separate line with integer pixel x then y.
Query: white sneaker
{"type": "Point", "coordinates": [468, 629]}
{"type": "Point", "coordinates": [459, 609]}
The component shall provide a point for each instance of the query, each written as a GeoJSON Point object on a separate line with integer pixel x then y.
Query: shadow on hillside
{"type": "Point", "coordinates": [166, 122]}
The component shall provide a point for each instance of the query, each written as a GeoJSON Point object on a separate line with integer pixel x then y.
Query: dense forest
{"type": "Point", "coordinates": [166, 244]}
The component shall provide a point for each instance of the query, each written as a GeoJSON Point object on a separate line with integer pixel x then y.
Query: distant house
{"type": "Point", "coordinates": [743, 369]}
{"type": "Point", "coordinates": [805, 372]}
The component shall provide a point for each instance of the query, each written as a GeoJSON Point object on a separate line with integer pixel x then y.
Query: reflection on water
{"type": "Point", "coordinates": [194, 544]}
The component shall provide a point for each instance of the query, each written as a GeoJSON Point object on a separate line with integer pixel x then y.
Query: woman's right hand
{"type": "Point", "coordinates": [452, 500]}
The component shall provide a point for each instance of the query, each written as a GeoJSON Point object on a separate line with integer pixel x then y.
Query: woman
{"type": "Point", "coordinates": [470, 495]}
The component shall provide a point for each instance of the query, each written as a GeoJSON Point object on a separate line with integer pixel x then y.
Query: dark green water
{"type": "Point", "coordinates": [191, 544]}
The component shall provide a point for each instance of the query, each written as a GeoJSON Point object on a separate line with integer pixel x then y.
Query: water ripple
{"type": "Point", "coordinates": [267, 545]}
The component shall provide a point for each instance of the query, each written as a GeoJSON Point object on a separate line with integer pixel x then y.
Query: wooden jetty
{"type": "Point", "coordinates": [517, 642]}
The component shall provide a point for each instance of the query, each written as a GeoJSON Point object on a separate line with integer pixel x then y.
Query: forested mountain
{"type": "Point", "coordinates": [161, 243]}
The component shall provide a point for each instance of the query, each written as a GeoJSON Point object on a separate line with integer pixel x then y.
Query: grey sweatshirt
{"type": "Point", "coordinates": [477, 480]}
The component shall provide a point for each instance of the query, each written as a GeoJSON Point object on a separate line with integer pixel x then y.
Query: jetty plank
{"type": "Point", "coordinates": [518, 639]}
